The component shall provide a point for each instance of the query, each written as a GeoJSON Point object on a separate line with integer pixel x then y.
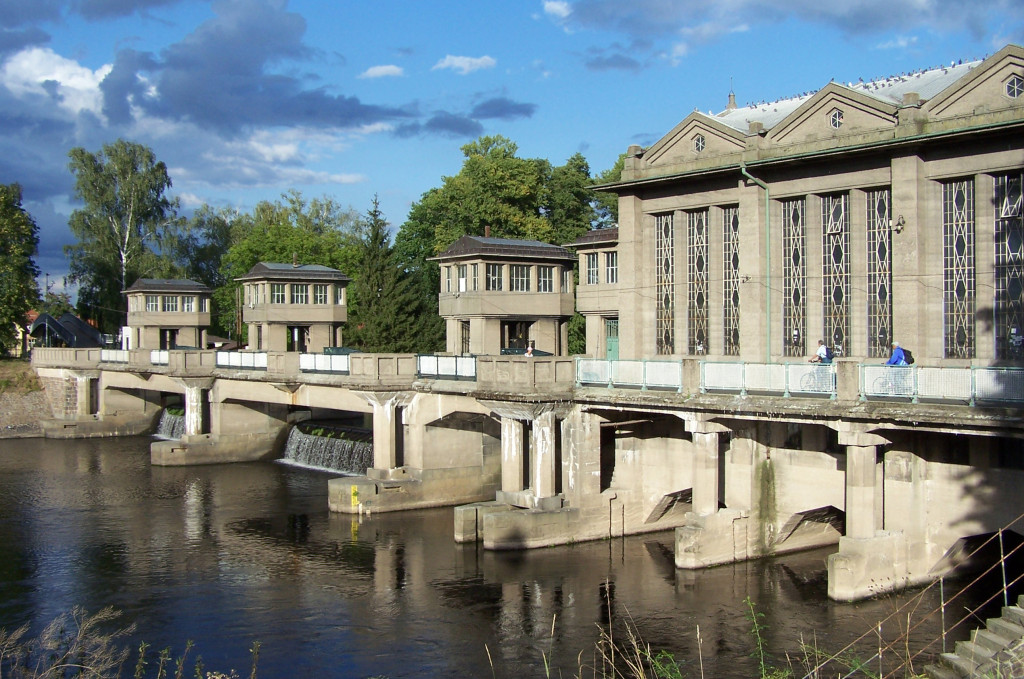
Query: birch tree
{"type": "Point", "coordinates": [121, 227]}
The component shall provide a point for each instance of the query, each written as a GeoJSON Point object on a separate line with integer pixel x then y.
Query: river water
{"type": "Point", "coordinates": [227, 555]}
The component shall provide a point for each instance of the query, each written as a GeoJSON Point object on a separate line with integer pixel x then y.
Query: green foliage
{"type": "Point", "coordinates": [577, 334]}
{"type": "Point", "coordinates": [312, 232]}
{"type": "Point", "coordinates": [606, 205]}
{"type": "Point", "coordinates": [386, 312]}
{"type": "Point", "coordinates": [20, 236]}
{"type": "Point", "coordinates": [122, 227]}
{"type": "Point", "coordinates": [757, 630]}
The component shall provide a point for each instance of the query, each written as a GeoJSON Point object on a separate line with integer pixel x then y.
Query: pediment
{"type": "Point", "coordinates": [835, 111]}
{"type": "Point", "coordinates": [697, 136]}
{"type": "Point", "coordinates": [984, 88]}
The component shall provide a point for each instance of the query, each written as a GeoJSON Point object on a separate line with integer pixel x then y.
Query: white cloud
{"type": "Point", "coordinates": [39, 71]}
{"type": "Point", "coordinates": [382, 71]}
{"type": "Point", "coordinates": [899, 42]}
{"type": "Point", "coordinates": [558, 9]}
{"type": "Point", "coordinates": [465, 65]}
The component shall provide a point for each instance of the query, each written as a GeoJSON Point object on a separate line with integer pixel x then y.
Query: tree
{"type": "Point", "coordinates": [607, 204]}
{"type": "Point", "coordinates": [314, 232]}
{"type": "Point", "coordinates": [569, 200]}
{"type": "Point", "coordinates": [20, 237]}
{"type": "Point", "coordinates": [122, 226]}
{"type": "Point", "coordinates": [385, 310]}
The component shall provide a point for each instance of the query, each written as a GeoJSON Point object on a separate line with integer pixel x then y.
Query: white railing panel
{"type": "Point", "coordinates": [159, 357]}
{"type": "Point", "coordinates": [446, 366]}
{"type": "Point", "coordinates": [465, 366]}
{"type": "Point", "coordinates": [765, 377]}
{"type": "Point", "coordinates": [810, 378]}
{"type": "Point", "coordinates": [628, 373]}
{"type": "Point", "coordinates": [593, 370]}
{"type": "Point", "coordinates": [260, 361]}
{"type": "Point", "coordinates": [240, 359]}
{"type": "Point", "coordinates": [339, 364]}
{"type": "Point", "coordinates": [114, 355]}
{"type": "Point", "coordinates": [723, 376]}
{"type": "Point", "coordinates": [999, 384]}
{"type": "Point", "coordinates": [426, 365]}
{"type": "Point", "coordinates": [944, 383]}
{"type": "Point", "coordinates": [663, 374]}
{"type": "Point", "coordinates": [888, 380]}
{"type": "Point", "coordinates": [307, 361]}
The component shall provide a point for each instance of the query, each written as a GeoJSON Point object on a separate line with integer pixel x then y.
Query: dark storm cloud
{"type": "Point", "coordinates": [613, 62]}
{"type": "Point", "coordinates": [15, 13]}
{"type": "Point", "coordinates": [108, 9]}
{"type": "Point", "coordinates": [218, 77]}
{"type": "Point", "coordinates": [502, 108]}
{"type": "Point", "coordinates": [13, 40]}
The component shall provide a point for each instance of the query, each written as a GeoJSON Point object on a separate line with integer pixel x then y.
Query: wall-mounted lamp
{"type": "Point", "coordinates": [900, 224]}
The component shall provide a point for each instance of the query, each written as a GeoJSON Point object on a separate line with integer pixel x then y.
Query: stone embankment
{"type": "Point", "coordinates": [20, 414]}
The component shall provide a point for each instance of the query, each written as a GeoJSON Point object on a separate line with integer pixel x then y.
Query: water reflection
{"type": "Point", "coordinates": [231, 554]}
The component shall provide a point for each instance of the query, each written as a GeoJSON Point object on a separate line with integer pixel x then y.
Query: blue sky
{"type": "Point", "coordinates": [246, 99]}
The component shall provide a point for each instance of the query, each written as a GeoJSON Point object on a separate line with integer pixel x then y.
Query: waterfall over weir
{"type": "Point", "coordinates": [171, 426]}
{"type": "Point", "coordinates": [343, 449]}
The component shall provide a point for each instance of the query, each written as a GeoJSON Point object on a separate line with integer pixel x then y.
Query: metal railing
{"type": "Point", "coordinates": [446, 367]}
{"type": "Point", "coordinates": [965, 385]}
{"type": "Point", "coordinates": [242, 359]}
{"type": "Point", "coordinates": [636, 374]}
{"type": "Point", "coordinates": [324, 363]}
{"type": "Point", "coordinates": [784, 379]}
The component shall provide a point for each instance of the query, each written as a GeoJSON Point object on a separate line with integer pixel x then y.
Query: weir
{"type": "Point", "coordinates": [171, 426]}
{"type": "Point", "coordinates": [320, 446]}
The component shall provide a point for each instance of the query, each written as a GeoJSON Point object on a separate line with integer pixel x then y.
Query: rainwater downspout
{"type": "Point", "coordinates": [768, 263]}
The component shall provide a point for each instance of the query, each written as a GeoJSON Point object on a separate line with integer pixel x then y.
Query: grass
{"type": "Point", "coordinates": [78, 644]}
{"type": "Point", "coordinates": [17, 376]}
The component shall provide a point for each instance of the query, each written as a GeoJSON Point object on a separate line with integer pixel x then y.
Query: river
{"type": "Point", "coordinates": [227, 555]}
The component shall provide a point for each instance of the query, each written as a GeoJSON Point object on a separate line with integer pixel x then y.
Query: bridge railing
{"type": "Point", "coordinates": [64, 357]}
{"type": "Point", "coordinates": [965, 385]}
{"type": "Point", "coordinates": [246, 360]}
{"type": "Point", "coordinates": [324, 363]}
{"type": "Point", "coordinates": [446, 367]}
{"type": "Point", "coordinates": [633, 373]}
{"type": "Point", "coordinates": [784, 379]}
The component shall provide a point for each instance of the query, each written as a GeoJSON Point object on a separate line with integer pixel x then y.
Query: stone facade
{"type": "Point", "coordinates": [166, 314]}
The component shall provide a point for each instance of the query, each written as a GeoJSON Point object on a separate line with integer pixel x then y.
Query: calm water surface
{"type": "Point", "coordinates": [230, 554]}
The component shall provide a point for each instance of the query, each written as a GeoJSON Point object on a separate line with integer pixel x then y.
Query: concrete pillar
{"type": "Point", "coordinates": [860, 491]}
{"type": "Point", "coordinates": [543, 456]}
{"type": "Point", "coordinates": [511, 455]}
{"type": "Point", "coordinates": [384, 440]}
{"type": "Point", "coordinates": [83, 388]}
{"type": "Point", "coordinates": [705, 473]}
{"type": "Point", "coordinates": [193, 410]}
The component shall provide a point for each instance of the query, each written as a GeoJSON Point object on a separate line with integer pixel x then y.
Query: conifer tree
{"type": "Point", "coordinates": [386, 313]}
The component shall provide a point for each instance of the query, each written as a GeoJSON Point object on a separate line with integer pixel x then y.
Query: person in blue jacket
{"type": "Point", "coordinates": [897, 357]}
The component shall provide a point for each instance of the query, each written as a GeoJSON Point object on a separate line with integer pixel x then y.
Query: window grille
{"type": "Point", "coordinates": [520, 278]}
{"type": "Point", "coordinates": [339, 295]}
{"type": "Point", "coordinates": [464, 331]}
{"type": "Point", "coordinates": [731, 280]}
{"type": "Point", "coordinates": [493, 277]}
{"type": "Point", "coordinates": [300, 293]}
{"type": "Point", "coordinates": [697, 265]}
{"type": "Point", "coordinates": [958, 292]}
{"type": "Point", "coordinates": [836, 269]}
{"type": "Point", "coordinates": [879, 225]}
{"type": "Point", "coordinates": [664, 255]}
{"type": "Point", "coordinates": [204, 305]}
{"type": "Point", "coordinates": [545, 279]}
{"type": "Point", "coordinates": [1009, 267]}
{"type": "Point", "coordinates": [463, 284]}
{"type": "Point", "coordinates": [593, 274]}
{"type": "Point", "coordinates": [611, 267]}
{"type": "Point", "coordinates": [170, 303]}
{"type": "Point", "coordinates": [277, 293]}
{"type": "Point", "coordinates": [188, 304]}
{"type": "Point", "coordinates": [476, 271]}
{"type": "Point", "coordinates": [794, 306]}
{"type": "Point", "coordinates": [152, 303]}
{"type": "Point", "coordinates": [319, 294]}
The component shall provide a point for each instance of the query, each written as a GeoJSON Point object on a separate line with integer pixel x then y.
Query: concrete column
{"type": "Point", "coordinates": [83, 387]}
{"type": "Point", "coordinates": [384, 439]}
{"type": "Point", "coordinates": [511, 455]}
{"type": "Point", "coordinates": [860, 491]}
{"type": "Point", "coordinates": [705, 473]}
{"type": "Point", "coordinates": [543, 457]}
{"type": "Point", "coordinates": [193, 410]}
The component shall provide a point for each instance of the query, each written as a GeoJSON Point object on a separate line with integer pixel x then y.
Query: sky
{"type": "Point", "coordinates": [245, 100]}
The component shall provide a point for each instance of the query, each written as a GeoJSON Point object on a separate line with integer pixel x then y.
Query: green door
{"type": "Point", "coordinates": [611, 339]}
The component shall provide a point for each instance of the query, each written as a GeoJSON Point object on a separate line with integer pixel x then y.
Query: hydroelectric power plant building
{"type": "Point", "coordinates": [861, 214]}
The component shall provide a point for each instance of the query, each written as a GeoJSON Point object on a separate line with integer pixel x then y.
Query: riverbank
{"type": "Point", "coordinates": [22, 400]}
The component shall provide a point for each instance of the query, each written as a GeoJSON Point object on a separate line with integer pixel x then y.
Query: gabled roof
{"type": "Point", "coordinates": [293, 272]}
{"type": "Point", "coordinates": [179, 285]}
{"type": "Point", "coordinates": [480, 246]}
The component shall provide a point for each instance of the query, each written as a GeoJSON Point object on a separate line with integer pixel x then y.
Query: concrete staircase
{"type": "Point", "coordinates": [994, 652]}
